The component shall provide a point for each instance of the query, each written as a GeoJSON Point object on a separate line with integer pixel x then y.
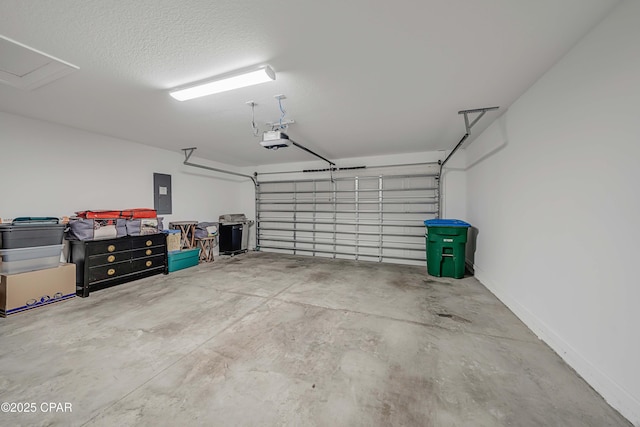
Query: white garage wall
{"type": "Point", "coordinates": [52, 170]}
{"type": "Point", "coordinates": [454, 183]}
{"type": "Point", "coordinates": [553, 192]}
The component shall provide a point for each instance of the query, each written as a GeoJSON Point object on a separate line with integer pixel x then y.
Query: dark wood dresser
{"type": "Point", "coordinates": [104, 263]}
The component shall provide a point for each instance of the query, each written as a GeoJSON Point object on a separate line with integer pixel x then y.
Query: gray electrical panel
{"type": "Point", "coordinates": [162, 193]}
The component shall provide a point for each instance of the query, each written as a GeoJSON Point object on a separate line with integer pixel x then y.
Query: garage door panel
{"type": "Point", "coordinates": [375, 218]}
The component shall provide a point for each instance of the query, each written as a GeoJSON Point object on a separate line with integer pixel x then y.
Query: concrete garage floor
{"type": "Point", "coordinates": [267, 339]}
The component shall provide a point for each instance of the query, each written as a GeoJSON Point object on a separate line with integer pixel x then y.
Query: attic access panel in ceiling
{"type": "Point", "coordinates": [26, 68]}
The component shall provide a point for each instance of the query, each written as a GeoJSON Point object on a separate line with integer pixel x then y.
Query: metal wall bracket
{"type": "Point", "coordinates": [188, 152]}
{"type": "Point", "coordinates": [468, 125]}
{"type": "Point", "coordinates": [284, 123]}
{"type": "Point", "coordinates": [481, 112]}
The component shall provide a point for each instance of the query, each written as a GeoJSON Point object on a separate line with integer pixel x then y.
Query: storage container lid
{"type": "Point", "coordinates": [171, 231]}
{"type": "Point", "coordinates": [31, 226]}
{"type": "Point", "coordinates": [36, 220]}
{"type": "Point", "coordinates": [441, 222]}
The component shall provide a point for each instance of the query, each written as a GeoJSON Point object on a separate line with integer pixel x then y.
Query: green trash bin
{"type": "Point", "coordinates": [446, 240]}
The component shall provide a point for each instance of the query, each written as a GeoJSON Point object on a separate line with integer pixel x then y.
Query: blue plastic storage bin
{"type": "Point", "coordinates": [183, 259]}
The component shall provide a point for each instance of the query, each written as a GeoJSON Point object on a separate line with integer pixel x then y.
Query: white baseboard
{"type": "Point", "coordinates": [611, 391]}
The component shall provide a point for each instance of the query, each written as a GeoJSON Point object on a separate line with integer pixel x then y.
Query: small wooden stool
{"type": "Point", "coordinates": [188, 232]}
{"type": "Point", "coordinates": [206, 245]}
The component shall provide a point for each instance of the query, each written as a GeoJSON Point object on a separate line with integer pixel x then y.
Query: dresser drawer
{"type": "Point", "coordinates": [108, 246]}
{"type": "Point", "coordinates": [109, 258]}
{"type": "Point", "coordinates": [147, 263]}
{"type": "Point", "coordinates": [140, 242]}
{"type": "Point", "coordinates": [150, 251]}
{"type": "Point", "coordinates": [110, 271]}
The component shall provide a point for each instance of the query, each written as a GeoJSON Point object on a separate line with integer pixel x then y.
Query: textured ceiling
{"type": "Point", "coordinates": [361, 77]}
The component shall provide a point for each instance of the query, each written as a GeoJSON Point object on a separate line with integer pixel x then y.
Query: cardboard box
{"type": "Point", "coordinates": [174, 240]}
{"type": "Point", "coordinates": [24, 291]}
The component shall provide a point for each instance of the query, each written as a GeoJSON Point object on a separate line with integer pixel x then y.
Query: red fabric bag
{"type": "Point", "coordinates": [99, 214]}
{"type": "Point", "coordinates": [126, 214]}
{"type": "Point", "coordinates": [140, 213]}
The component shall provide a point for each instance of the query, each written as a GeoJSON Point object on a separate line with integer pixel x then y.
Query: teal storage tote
{"type": "Point", "coordinates": [183, 259]}
{"type": "Point", "coordinates": [446, 240]}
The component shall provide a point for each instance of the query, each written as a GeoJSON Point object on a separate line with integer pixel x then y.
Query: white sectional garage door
{"type": "Point", "coordinates": [374, 217]}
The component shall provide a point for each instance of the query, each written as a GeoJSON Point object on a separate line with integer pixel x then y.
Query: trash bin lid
{"type": "Point", "coordinates": [441, 222]}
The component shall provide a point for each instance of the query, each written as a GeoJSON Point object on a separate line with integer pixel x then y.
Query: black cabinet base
{"type": "Point", "coordinates": [240, 251]}
{"type": "Point", "coordinates": [84, 291]}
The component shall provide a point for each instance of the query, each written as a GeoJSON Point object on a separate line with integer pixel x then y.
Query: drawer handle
{"type": "Point", "coordinates": [148, 263]}
{"type": "Point", "coordinates": [111, 258]}
{"type": "Point", "coordinates": [111, 271]}
{"type": "Point", "coordinates": [149, 252]}
{"type": "Point", "coordinates": [111, 248]}
{"type": "Point", "coordinates": [149, 243]}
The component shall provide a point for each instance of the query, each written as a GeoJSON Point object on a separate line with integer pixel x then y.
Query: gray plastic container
{"type": "Point", "coordinates": [30, 234]}
{"type": "Point", "coordinates": [21, 260]}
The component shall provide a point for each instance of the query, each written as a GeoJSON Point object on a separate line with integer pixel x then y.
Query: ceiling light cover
{"type": "Point", "coordinates": [225, 83]}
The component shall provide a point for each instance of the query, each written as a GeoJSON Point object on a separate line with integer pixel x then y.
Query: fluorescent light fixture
{"type": "Point", "coordinates": [225, 83]}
